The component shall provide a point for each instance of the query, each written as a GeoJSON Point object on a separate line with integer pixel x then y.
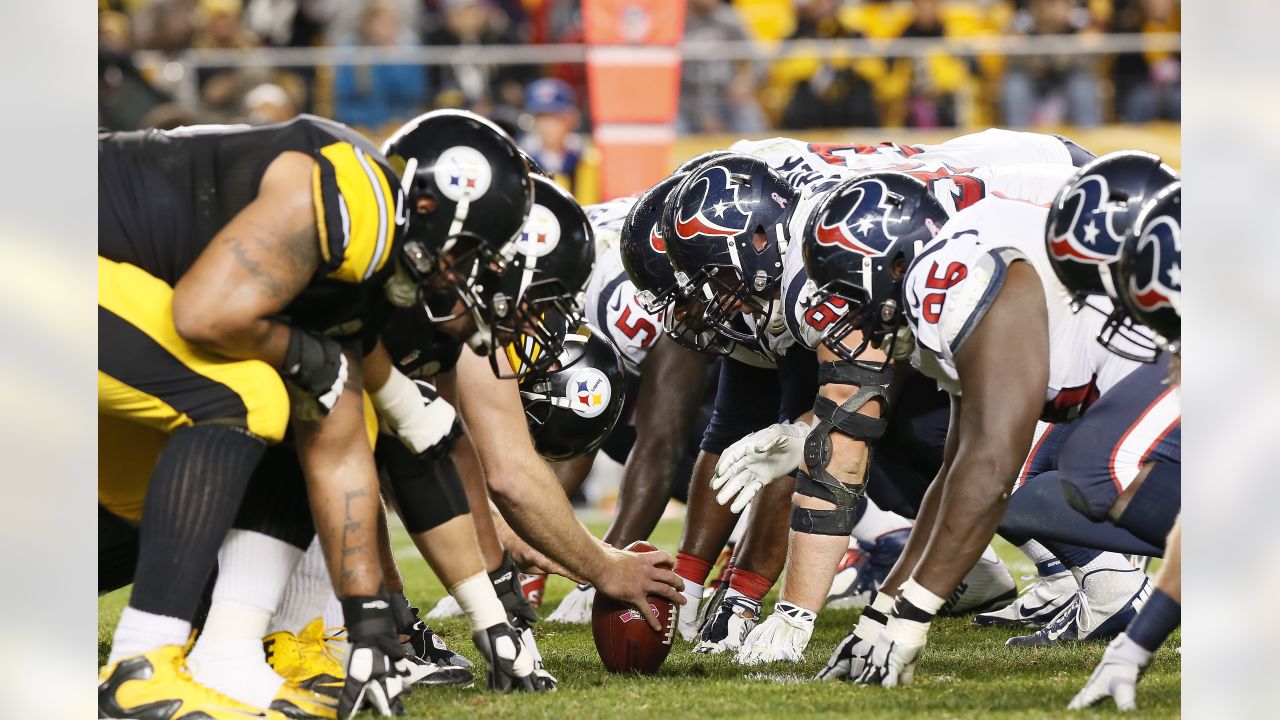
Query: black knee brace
{"type": "Point", "coordinates": [428, 494]}
{"type": "Point", "coordinates": [845, 418]}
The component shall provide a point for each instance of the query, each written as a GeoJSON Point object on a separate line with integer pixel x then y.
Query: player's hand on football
{"type": "Point", "coordinates": [757, 460]}
{"type": "Point", "coordinates": [509, 664]}
{"type": "Point", "coordinates": [631, 577]}
{"type": "Point", "coordinates": [1115, 677]}
{"type": "Point", "coordinates": [893, 659]}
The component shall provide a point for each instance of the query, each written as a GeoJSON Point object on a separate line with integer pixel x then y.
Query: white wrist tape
{"type": "Point", "coordinates": [479, 601]}
{"type": "Point", "coordinates": [916, 594]}
{"type": "Point", "coordinates": [907, 632]}
{"type": "Point", "coordinates": [418, 424]}
{"type": "Point", "coordinates": [883, 602]}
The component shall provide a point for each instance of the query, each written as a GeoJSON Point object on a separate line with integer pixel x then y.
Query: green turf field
{"type": "Point", "coordinates": [965, 672]}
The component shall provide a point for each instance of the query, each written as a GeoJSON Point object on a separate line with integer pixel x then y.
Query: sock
{"type": "Point", "coordinates": [876, 522]}
{"type": "Point", "coordinates": [141, 631]}
{"type": "Point", "coordinates": [692, 590]}
{"type": "Point", "coordinates": [306, 593]}
{"type": "Point", "coordinates": [1046, 563]}
{"type": "Point", "coordinates": [692, 568]}
{"type": "Point", "coordinates": [333, 617]}
{"type": "Point", "coordinates": [195, 491]}
{"type": "Point", "coordinates": [1155, 621]}
{"type": "Point", "coordinates": [752, 585]}
{"type": "Point", "coordinates": [989, 554]}
{"type": "Point", "coordinates": [1073, 556]}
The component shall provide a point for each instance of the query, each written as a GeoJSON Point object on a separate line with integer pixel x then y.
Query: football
{"type": "Point", "coordinates": [624, 640]}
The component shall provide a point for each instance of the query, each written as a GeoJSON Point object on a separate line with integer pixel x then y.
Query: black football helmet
{"type": "Point", "coordinates": [539, 293]}
{"type": "Point", "coordinates": [468, 194]}
{"type": "Point", "coordinates": [1148, 276]}
{"type": "Point", "coordinates": [726, 235]}
{"type": "Point", "coordinates": [573, 405]}
{"type": "Point", "coordinates": [1085, 228]}
{"type": "Point", "coordinates": [857, 246]}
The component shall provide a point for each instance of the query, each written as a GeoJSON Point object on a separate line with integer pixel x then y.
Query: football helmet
{"type": "Point", "coordinates": [468, 195]}
{"type": "Point", "coordinates": [1149, 272]}
{"type": "Point", "coordinates": [539, 293]}
{"type": "Point", "coordinates": [698, 160]}
{"type": "Point", "coordinates": [726, 236]}
{"type": "Point", "coordinates": [1085, 228]}
{"type": "Point", "coordinates": [857, 245]}
{"type": "Point", "coordinates": [572, 406]}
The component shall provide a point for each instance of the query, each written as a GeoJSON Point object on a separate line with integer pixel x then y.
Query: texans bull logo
{"type": "Point", "coordinates": [863, 220]}
{"type": "Point", "coordinates": [1088, 233]}
{"type": "Point", "coordinates": [718, 198]}
{"type": "Point", "coordinates": [655, 239]}
{"type": "Point", "coordinates": [1159, 251]}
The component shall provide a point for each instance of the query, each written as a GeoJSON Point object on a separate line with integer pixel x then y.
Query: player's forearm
{"type": "Point", "coordinates": [264, 339]}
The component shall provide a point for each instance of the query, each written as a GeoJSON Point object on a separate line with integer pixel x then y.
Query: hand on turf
{"type": "Point", "coordinates": [893, 659]}
{"type": "Point", "coordinates": [850, 657]}
{"type": "Point", "coordinates": [1115, 677]}
{"type": "Point", "coordinates": [509, 663]}
{"type": "Point", "coordinates": [757, 460]}
{"type": "Point", "coordinates": [375, 667]}
{"type": "Point", "coordinates": [631, 577]}
{"type": "Point", "coordinates": [782, 636]}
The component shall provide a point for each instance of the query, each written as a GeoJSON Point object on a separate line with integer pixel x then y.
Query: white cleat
{"type": "Point", "coordinates": [1037, 604]}
{"type": "Point", "coordinates": [729, 625]}
{"type": "Point", "coordinates": [446, 608]}
{"type": "Point", "coordinates": [988, 586]}
{"type": "Point", "coordinates": [575, 608]}
{"type": "Point", "coordinates": [849, 587]}
{"type": "Point", "coordinates": [783, 636]}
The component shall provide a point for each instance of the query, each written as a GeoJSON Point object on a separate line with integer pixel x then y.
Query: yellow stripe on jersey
{"type": "Point", "coordinates": [355, 211]}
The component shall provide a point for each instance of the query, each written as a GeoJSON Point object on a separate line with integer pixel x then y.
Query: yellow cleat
{"type": "Point", "coordinates": [157, 686]}
{"type": "Point", "coordinates": [296, 702]}
{"type": "Point", "coordinates": [309, 659]}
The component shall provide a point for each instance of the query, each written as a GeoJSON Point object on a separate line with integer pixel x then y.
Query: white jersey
{"type": "Point", "coordinates": [953, 282]}
{"type": "Point", "coordinates": [606, 220]}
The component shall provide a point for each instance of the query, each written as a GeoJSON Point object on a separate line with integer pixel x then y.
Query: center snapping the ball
{"type": "Point", "coordinates": [624, 640]}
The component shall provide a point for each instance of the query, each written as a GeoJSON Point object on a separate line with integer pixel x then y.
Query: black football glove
{"type": "Point", "coordinates": [315, 366]}
{"type": "Point", "coordinates": [376, 663]}
{"type": "Point", "coordinates": [510, 666]}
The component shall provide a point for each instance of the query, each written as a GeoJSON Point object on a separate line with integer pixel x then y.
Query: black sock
{"type": "Point", "coordinates": [195, 491]}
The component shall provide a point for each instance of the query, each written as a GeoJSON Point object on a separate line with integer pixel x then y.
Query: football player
{"type": "Point", "coordinates": [231, 258]}
{"type": "Point", "coordinates": [987, 243]}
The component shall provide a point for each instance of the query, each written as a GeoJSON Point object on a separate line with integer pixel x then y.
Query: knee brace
{"type": "Point", "coordinates": [830, 417]}
{"type": "Point", "coordinates": [427, 494]}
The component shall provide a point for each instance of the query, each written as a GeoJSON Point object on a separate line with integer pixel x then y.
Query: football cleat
{"type": "Point", "coordinates": [533, 587]}
{"type": "Point", "coordinates": [989, 585]}
{"type": "Point", "coordinates": [311, 659]}
{"type": "Point", "coordinates": [426, 644]}
{"type": "Point", "coordinates": [782, 636]}
{"type": "Point", "coordinates": [158, 686]}
{"type": "Point", "coordinates": [1096, 615]}
{"type": "Point", "coordinates": [729, 625]}
{"type": "Point", "coordinates": [845, 591]}
{"type": "Point", "coordinates": [426, 673]}
{"type": "Point", "coordinates": [296, 702]}
{"type": "Point", "coordinates": [575, 608]}
{"type": "Point", "coordinates": [446, 608]}
{"type": "Point", "coordinates": [1037, 605]}
{"type": "Point", "coordinates": [884, 554]}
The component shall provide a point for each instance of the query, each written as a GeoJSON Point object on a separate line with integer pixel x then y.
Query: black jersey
{"type": "Point", "coordinates": [163, 195]}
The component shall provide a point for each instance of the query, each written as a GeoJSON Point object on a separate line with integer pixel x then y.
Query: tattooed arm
{"type": "Point", "coordinates": [253, 268]}
{"type": "Point", "coordinates": [342, 483]}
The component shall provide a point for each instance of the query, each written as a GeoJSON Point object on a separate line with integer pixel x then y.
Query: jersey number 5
{"type": "Point", "coordinates": [931, 306]}
{"type": "Point", "coordinates": [632, 329]}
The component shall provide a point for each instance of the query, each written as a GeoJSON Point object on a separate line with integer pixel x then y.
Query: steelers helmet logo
{"type": "Point", "coordinates": [462, 172]}
{"type": "Point", "coordinates": [588, 392]}
{"type": "Point", "coordinates": [541, 233]}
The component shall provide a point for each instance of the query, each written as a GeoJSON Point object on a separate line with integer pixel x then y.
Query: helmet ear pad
{"type": "Point", "coordinates": [573, 406]}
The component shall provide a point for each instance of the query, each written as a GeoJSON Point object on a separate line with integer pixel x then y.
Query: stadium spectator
{"type": "Point", "coordinates": [370, 96]}
{"type": "Point", "coordinates": [825, 92]}
{"type": "Point", "coordinates": [1051, 89]}
{"type": "Point", "coordinates": [222, 88]}
{"type": "Point", "coordinates": [932, 81]}
{"type": "Point", "coordinates": [1148, 85]}
{"type": "Point", "coordinates": [495, 90]}
{"type": "Point", "coordinates": [268, 103]}
{"type": "Point", "coordinates": [718, 95]}
{"type": "Point", "coordinates": [124, 95]}
{"type": "Point", "coordinates": [553, 142]}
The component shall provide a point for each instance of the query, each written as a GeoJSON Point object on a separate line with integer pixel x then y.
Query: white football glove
{"type": "Point", "coordinates": [893, 659]}
{"type": "Point", "coordinates": [757, 460]}
{"type": "Point", "coordinates": [1116, 677]}
{"type": "Point", "coordinates": [850, 656]}
{"type": "Point", "coordinates": [782, 636]}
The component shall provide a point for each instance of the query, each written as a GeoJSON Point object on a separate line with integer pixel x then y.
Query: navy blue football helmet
{"type": "Point", "coordinates": [1148, 276]}
{"type": "Point", "coordinates": [726, 236]}
{"type": "Point", "coordinates": [1085, 228]}
{"type": "Point", "coordinates": [857, 246]}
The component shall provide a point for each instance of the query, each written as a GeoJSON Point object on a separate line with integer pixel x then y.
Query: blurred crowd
{"type": "Point", "coordinates": [546, 103]}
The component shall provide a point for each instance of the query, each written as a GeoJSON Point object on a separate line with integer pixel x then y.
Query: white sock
{"type": "Point", "coordinates": [876, 522]}
{"type": "Point", "coordinates": [1036, 552]}
{"type": "Point", "coordinates": [333, 612]}
{"type": "Point", "coordinates": [989, 554]}
{"type": "Point", "coordinates": [140, 632]}
{"type": "Point", "coordinates": [253, 570]}
{"type": "Point", "coordinates": [306, 594]}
